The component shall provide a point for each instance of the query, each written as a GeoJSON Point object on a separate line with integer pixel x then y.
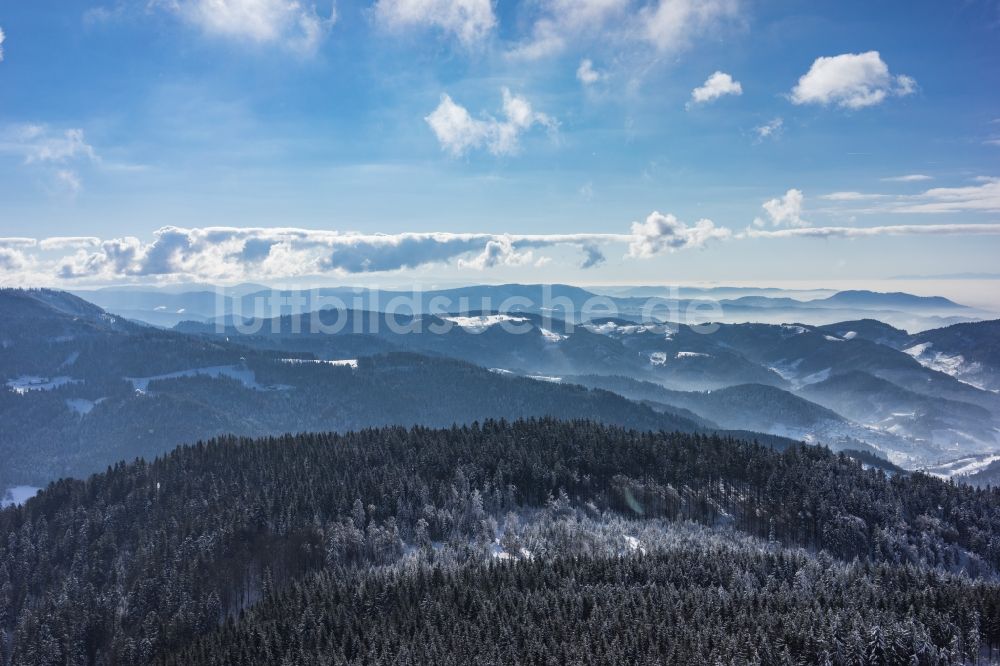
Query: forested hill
{"type": "Point", "coordinates": [43, 439]}
{"type": "Point", "coordinates": [375, 544]}
{"type": "Point", "coordinates": [81, 389]}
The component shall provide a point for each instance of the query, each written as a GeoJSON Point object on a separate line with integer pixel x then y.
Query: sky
{"type": "Point", "coordinates": [442, 141]}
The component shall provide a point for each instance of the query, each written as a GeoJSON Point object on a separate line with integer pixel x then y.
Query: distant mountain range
{"type": "Point", "coordinates": [790, 357]}
{"type": "Point", "coordinates": [168, 307]}
{"type": "Point", "coordinates": [85, 388]}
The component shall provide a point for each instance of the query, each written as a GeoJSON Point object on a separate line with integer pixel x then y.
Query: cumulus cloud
{"type": "Point", "coordinates": [771, 128]}
{"type": "Point", "coordinates": [458, 132]}
{"type": "Point", "coordinates": [661, 233]}
{"type": "Point", "coordinates": [850, 81]}
{"type": "Point", "coordinates": [292, 24]}
{"type": "Point", "coordinates": [784, 211]}
{"type": "Point", "coordinates": [586, 73]}
{"type": "Point", "coordinates": [12, 260]}
{"type": "Point", "coordinates": [498, 252]}
{"type": "Point", "coordinates": [716, 86]}
{"type": "Point", "coordinates": [470, 21]}
{"type": "Point", "coordinates": [3, 38]}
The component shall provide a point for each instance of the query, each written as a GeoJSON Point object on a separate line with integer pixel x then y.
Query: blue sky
{"type": "Point", "coordinates": [539, 140]}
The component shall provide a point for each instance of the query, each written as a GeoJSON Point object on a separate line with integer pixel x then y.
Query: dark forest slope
{"type": "Point", "coordinates": [140, 561]}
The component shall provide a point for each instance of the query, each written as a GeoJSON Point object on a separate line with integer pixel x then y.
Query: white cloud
{"type": "Point", "coordinates": [586, 73]}
{"type": "Point", "coordinates": [64, 242]}
{"type": "Point", "coordinates": [891, 230]}
{"type": "Point", "coordinates": [717, 85]}
{"type": "Point", "coordinates": [57, 152]}
{"type": "Point", "coordinates": [673, 25]}
{"type": "Point", "coordinates": [851, 81]}
{"type": "Point", "coordinates": [784, 211]}
{"type": "Point", "coordinates": [234, 253]}
{"type": "Point", "coordinates": [458, 132]}
{"type": "Point", "coordinates": [909, 178]}
{"type": "Point", "coordinates": [70, 180]}
{"type": "Point", "coordinates": [562, 23]}
{"type": "Point", "coordinates": [498, 252]}
{"type": "Point", "coordinates": [661, 233]}
{"type": "Point", "coordinates": [851, 196]}
{"type": "Point", "coordinates": [12, 260]}
{"type": "Point", "coordinates": [18, 242]}
{"type": "Point", "coordinates": [470, 21]}
{"type": "Point", "coordinates": [769, 129]}
{"type": "Point", "coordinates": [291, 24]}
{"type": "Point", "coordinates": [241, 253]}
{"type": "Point", "coordinates": [669, 26]}
{"type": "Point", "coordinates": [3, 38]}
{"type": "Point", "coordinates": [984, 197]}
{"type": "Point", "coordinates": [39, 144]}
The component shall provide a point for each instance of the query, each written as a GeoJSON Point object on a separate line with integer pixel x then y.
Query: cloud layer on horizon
{"type": "Point", "coordinates": [240, 253]}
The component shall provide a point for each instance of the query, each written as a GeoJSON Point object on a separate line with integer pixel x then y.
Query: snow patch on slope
{"type": "Point", "coordinates": [81, 406]}
{"type": "Point", "coordinates": [954, 365]}
{"type": "Point", "coordinates": [963, 466]}
{"type": "Point", "coordinates": [550, 335]}
{"type": "Point", "coordinates": [343, 363]}
{"type": "Point", "coordinates": [480, 323]}
{"type": "Point", "coordinates": [26, 383]}
{"type": "Point", "coordinates": [240, 373]}
{"type": "Point", "coordinates": [546, 378]}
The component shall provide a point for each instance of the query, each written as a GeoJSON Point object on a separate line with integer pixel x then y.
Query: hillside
{"type": "Point", "coordinates": [880, 403]}
{"type": "Point", "coordinates": [760, 408]}
{"type": "Point", "coordinates": [969, 352]}
{"type": "Point", "coordinates": [885, 301]}
{"type": "Point", "coordinates": [396, 528]}
{"type": "Point", "coordinates": [100, 392]}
